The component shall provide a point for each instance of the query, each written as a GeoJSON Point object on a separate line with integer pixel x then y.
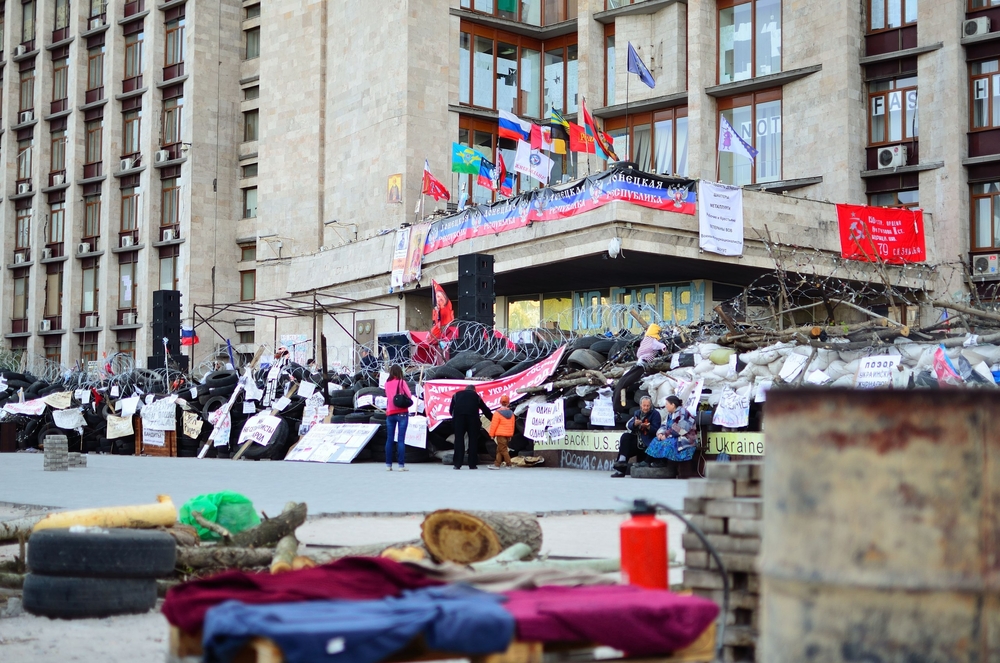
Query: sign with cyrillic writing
{"type": "Point", "coordinates": [876, 371]}
{"type": "Point", "coordinates": [260, 429]}
{"type": "Point", "coordinates": [720, 218]}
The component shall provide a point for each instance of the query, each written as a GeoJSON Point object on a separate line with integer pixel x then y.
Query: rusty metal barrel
{"type": "Point", "coordinates": [881, 538]}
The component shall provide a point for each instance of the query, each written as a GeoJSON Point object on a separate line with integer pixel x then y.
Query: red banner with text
{"type": "Point", "coordinates": [895, 235]}
{"type": "Point", "coordinates": [438, 393]}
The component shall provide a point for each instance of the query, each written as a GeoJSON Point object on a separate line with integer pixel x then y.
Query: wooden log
{"type": "Point", "coordinates": [593, 565]}
{"type": "Point", "coordinates": [272, 530]}
{"type": "Point", "coordinates": [372, 550]}
{"type": "Point", "coordinates": [11, 580]}
{"type": "Point", "coordinates": [142, 516]}
{"type": "Point", "coordinates": [302, 562]}
{"type": "Point", "coordinates": [284, 554]}
{"type": "Point", "coordinates": [223, 557]}
{"type": "Point", "coordinates": [184, 535]}
{"type": "Point", "coordinates": [12, 530]}
{"type": "Point", "coordinates": [466, 537]}
{"type": "Point", "coordinates": [223, 533]}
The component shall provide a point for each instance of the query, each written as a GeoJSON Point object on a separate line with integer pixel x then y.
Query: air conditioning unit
{"type": "Point", "coordinates": [986, 265]}
{"type": "Point", "coordinates": [90, 321]}
{"type": "Point", "coordinates": [974, 27]}
{"type": "Point", "coordinates": [891, 157]}
{"type": "Point", "coordinates": [46, 254]}
{"type": "Point", "coordinates": [20, 258]}
{"type": "Point", "coordinates": [161, 156]}
{"type": "Point", "coordinates": [129, 318]}
{"type": "Point", "coordinates": [83, 247]}
{"type": "Point", "coordinates": [23, 187]}
{"type": "Point", "coordinates": [95, 22]}
{"type": "Point", "coordinates": [45, 325]}
{"type": "Point", "coordinates": [58, 180]}
{"type": "Point", "coordinates": [126, 164]}
{"type": "Point", "coordinates": [169, 235]}
{"type": "Point", "coordinates": [26, 116]}
{"type": "Point", "coordinates": [127, 240]}
{"type": "Point", "coordinates": [20, 49]}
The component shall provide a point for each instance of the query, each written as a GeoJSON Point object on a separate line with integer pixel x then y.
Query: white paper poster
{"type": "Point", "coordinates": [306, 389]}
{"type": "Point", "coordinates": [119, 427]}
{"type": "Point", "coordinates": [68, 419]}
{"type": "Point", "coordinates": [32, 408]}
{"type": "Point", "coordinates": [416, 432]}
{"type": "Point", "coordinates": [603, 412]}
{"type": "Point", "coordinates": [794, 363]}
{"type": "Point", "coordinates": [154, 438]}
{"type": "Point", "coordinates": [59, 401]}
{"type": "Point", "coordinates": [720, 218]}
{"type": "Point", "coordinates": [733, 410]}
{"type": "Point", "coordinates": [128, 406]}
{"type": "Point", "coordinates": [545, 420]}
{"type": "Point", "coordinates": [690, 393]}
{"type": "Point", "coordinates": [260, 429]}
{"type": "Point", "coordinates": [876, 371]}
{"type": "Point", "coordinates": [332, 443]}
{"type": "Point", "coordinates": [160, 415]}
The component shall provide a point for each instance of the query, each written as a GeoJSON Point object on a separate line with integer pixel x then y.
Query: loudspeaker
{"type": "Point", "coordinates": [475, 264]}
{"type": "Point", "coordinates": [475, 286]}
{"type": "Point", "coordinates": [164, 298]}
{"type": "Point", "coordinates": [178, 362]}
{"type": "Point", "coordinates": [476, 309]}
{"type": "Point", "coordinates": [170, 331]}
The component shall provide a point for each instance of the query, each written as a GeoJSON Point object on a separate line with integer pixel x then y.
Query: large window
{"type": "Point", "coordinates": [27, 21]}
{"type": "Point", "coordinates": [892, 110]}
{"type": "Point", "coordinates": [533, 12]}
{"type": "Point", "coordinates": [130, 209]}
{"type": "Point", "coordinates": [58, 151]}
{"type": "Point", "coordinates": [171, 199]}
{"type": "Point", "coordinates": [95, 135]}
{"type": "Point", "coordinates": [97, 8]}
{"type": "Point", "coordinates": [62, 15]}
{"type": "Point", "coordinates": [250, 203]}
{"type": "Point", "coordinates": [27, 90]}
{"type": "Point", "coordinates": [57, 223]}
{"type": "Point", "coordinates": [906, 199]}
{"type": "Point", "coordinates": [251, 11]}
{"type": "Point", "coordinates": [174, 53]}
{"type": "Point", "coordinates": [53, 290]}
{"type": "Point", "coordinates": [133, 55]}
{"type": "Point", "coordinates": [91, 217]}
{"type": "Point", "coordinates": [127, 274]}
{"type": "Point", "coordinates": [248, 285]}
{"type": "Point", "coordinates": [986, 215]}
{"type": "Point", "coordinates": [250, 125]}
{"type": "Point", "coordinates": [887, 14]}
{"type": "Point", "coordinates": [657, 141]}
{"type": "Point", "coordinates": [505, 72]}
{"type": "Point", "coordinates": [984, 86]}
{"type": "Point", "coordinates": [132, 126]}
{"type": "Point", "coordinates": [757, 119]}
{"type": "Point", "coordinates": [749, 39]}
{"type": "Point", "coordinates": [95, 68]}
{"type": "Point", "coordinates": [22, 237]}
{"type": "Point", "coordinates": [172, 120]}
{"type": "Point", "coordinates": [24, 159]}
{"type": "Point", "coordinates": [20, 311]}
{"type": "Point", "coordinates": [609, 69]}
{"type": "Point", "coordinates": [60, 79]}
{"type": "Point", "coordinates": [169, 278]}
{"type": "Point", "coordinates": [90, 288]}
{"type": "Point", "coordinates": [252, 38]}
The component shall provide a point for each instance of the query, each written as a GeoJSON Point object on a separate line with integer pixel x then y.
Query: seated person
{"type": "Point", "coordinates": [649, 348]}
{"type": "Point", "coordinates": [677, 440]}
{"type": "Point", "coordinates": [642, 426]}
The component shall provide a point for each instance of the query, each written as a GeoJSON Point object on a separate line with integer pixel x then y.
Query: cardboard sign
{"type": "Point", "coordinates": [416, 433]}
{"type": "Point", "coordinates": [545, 420]}
{"type": "Point", "coordinates": [192, 425]}
{"type": "Point", "coordinates": [119, 427]}
{"type": "Point", "coordinates": [154, 438]}
{"type": "Point", "coordinates": [876, 371]}
{"type": "Point", "coordinates": [332, 443]}
{"type": "Point", "coordinates": [159, 415]}
{"type": "Point", "coordinates": [260, 429]}
{"type": "Point", "coordinates": [59, 401]}
{"type": "Point", "coordinates": [68, 419]}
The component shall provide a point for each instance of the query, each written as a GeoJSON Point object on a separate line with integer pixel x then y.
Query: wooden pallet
{"type": "Point", "coordinates": [185, 647]}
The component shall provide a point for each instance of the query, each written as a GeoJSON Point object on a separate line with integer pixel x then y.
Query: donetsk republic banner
{"type": "Point", "coordinates": [551, 203]}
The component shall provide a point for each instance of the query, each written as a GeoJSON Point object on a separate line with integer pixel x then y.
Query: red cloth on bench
{"type": "Point", "coordinates": [349, 578]}
{"type": "Point", "coordinates": [638, 621]}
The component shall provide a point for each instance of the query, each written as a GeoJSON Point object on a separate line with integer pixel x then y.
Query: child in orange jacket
{"type": "Point", "coordinates": [501, 430]}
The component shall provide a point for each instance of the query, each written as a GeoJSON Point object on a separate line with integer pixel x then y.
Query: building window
{"type": "Point", "coordinates": [892, 109]}
{"type": "Point", "coordinates": [252, 38]}
{"type": "Point", "coordinates": [248, 252]}
{"type": "Point", "coordinates": [97, 8]}
{"type": "Point", "coordinates": [27, 21]}
{"type": "Point", "coordinates": [248, 285]}
{"type": "Point", "coordinates": [749, 39]}
{"type": "Point", "coordinates": [22, 238]}
{"type": "Point", "coordinates": [246, 337]}
{"type": "Point", "coordinates": [24, 159]}
{"type": "Point", "coordinates": [27, 96]}
{"type": "Point", "coordinates": [90, 288]}
{"type": "Point", "coordinates": [60, 79]}
{"type": "Point", "coordinates": [252, 11]}
{"type": "Point", "coordinates": [20, 311]}
{"type": "Point", "coordinates": [905, 199]}
{"type": "Point", "coordinates": [133, 55]}
{"type": "Point", "coordinates": [172, 120]}
{"type": "Point", "coordinates": [62, 15]}
{"type": "Point", "coordinates": [168, 271]}
{"type": "Point", "coordinates": [58, 151]}
{"type": "Point", "coordinates": [132, 121]}
{"type": "Point", "coordinates": [657, 141]}
{"type": "Point", "coordinates": [249, 170]}
{"type": "Point", "coordinates": [250, 125]}
{"type": "Point", "coordinates": [126, 342]}
{"type": "Point", "coordinates": [127, 280]}
{"type": "Point", "coordinates": [609, 69]}
{"type": "Point", "coordinates": [91, 217]}
{"type": "Point", "coordinates": [984, 85]}
{"type": "Point", "coordinates": [532, 12]}
{"type": "Point", "coordinates": [175, 43]}
{"type": "Point", "coordinates": [250, 203]}
{"type": "Point", "coordinates": [251, 93]}
{"type": "Point", "coordinates": [986, 215]}
{"type": "Point", "coordinates": [57, 223]}
{"type": "Point", "coordinates": [53, 352]}
{"type": "Point", "coordinates": [130, 209]}
{"type": "Point", "coordinates": [95, 135]}
{"type": "Point", "coordinates": [171, 199]}
{"type": "Point", "coordinates": [757, 119]}
{"type": "Point", "coordinates": [88, 347]}
{"type": "Point", "coordinates": [53, 290]}
{"type": "Point", "coordinates": [95, 68]}
{"type": "Point", "coordinates": [2, 29]}
{"type": "Point", "coordinates": [887, 14]}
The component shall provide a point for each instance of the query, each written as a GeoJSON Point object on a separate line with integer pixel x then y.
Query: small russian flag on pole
{"type": "Point", "coordinates": [188, 335]}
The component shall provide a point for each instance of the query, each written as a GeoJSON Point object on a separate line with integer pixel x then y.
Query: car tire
{"type": "Point", "coordinates": [78, 598]}
{"type": "Point", "coordinates": [217, 379]}
{"type": "Point", "coordinates": [587, 359]}
{"type": "Point", "coordinates": [112, 553]}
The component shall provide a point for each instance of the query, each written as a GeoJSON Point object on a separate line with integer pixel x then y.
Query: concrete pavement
{"type": "Point", "coordinates": [326, 488]}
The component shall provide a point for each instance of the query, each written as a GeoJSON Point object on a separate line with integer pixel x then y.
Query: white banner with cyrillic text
{"type": "Point", "coordinates": [720, 218]}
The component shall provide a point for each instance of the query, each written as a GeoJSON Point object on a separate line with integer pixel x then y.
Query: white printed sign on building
{"type": "Point", "coordinates": [876, 371]}
{"type": "Point", "coordinates": [720, 218]}
{"type": "Point", "coordinates": [260, 429]}
{"type": "Point", "coordinates": [545, 420]}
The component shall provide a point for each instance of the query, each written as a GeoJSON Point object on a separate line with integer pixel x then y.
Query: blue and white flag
{"type": "Point", "coordinates": [731, 141]}
{"type": "Point", "coordinates": [638, 67]}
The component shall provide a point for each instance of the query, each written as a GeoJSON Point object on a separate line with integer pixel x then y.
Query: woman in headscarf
{"type": "Point", "coordinates": [677, 439]}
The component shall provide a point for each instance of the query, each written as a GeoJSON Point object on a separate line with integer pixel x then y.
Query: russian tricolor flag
{"type": "Point", "coordinates": [513, 127]}
{"type": "Point", "coordinates": [188, 336]}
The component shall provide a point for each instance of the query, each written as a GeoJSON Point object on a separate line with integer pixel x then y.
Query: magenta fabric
{"type": "Point", "coordinates": [638, 621]}
{"type": "Point", "coordinates": [393, 387]}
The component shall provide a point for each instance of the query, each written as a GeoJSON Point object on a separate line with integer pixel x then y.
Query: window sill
{"type": "Point", "coordinates": [20, 196]}
{"type": "Point", "coordinates": [59, 44]}
{"type": "Point", "coordinates": [484, 113]}
{"type": "Point", "coordinates": [656, 103]}
{"type": "Point", "coordinates": [898, 55]}
{"type": "Point", "coordinates": [249, 155]}
{"type": "Point", "coordinates": [133, 18]}
{"type": "Point", "coordinates": [24, 125]}
{"type": "Point", "coordinates": [92, 104]}
{"type": "Point", "coordinates": [172, 242]}
{"type": "Point", "coordinates": [169, 163]}
{"type": "Point", "coordinates": [18, 335]}
{"type": "Point", "coordinates": [47, 261]}
{"type": "Point", "coordinates": [761, 82]}
{"type": "Point", "coordinates": [250, 79]}
{"type": "Point", "coordinates": [251, 23]}
{"type": "Point", "coordinates": [20, 265]}
{"type": "Point", "coordinates": [977, 161]}
{"type": "Point", "coordinates": [785, 185]}
{"type": "Point", "coordinates": [96, 31]}
{"type": "Point", "coordinates": [92, 180]}
{"type": "Point", "coordinates": [170, 5]}
{"type": "Point", "coordinates": [25, 56]}
{"type": "Point", "coordinates": [917, 168]}
{"type": "Point", "coordinates": [979, 39]}
{"type": "Point", "coordinates": [59, 115]}
{"type": "Point", "coordinates": [92, 254]}
{"type": "Point", "coordinates": [173, 81]}
{"type": "Point", "coordinates": [56, 187]}
{"type": "Point", "coordinates": [130, 171]}
{"type": "Point", "coordinates": [124, 327]}
{"type": "Point", "coordinates": [128, 95]}
{"type": "Point", "coordinates": [84, 330]}
{"type": "Point", "coordinates": [126, 249]}
{"type": "Point", "coordinates": [514, 27]}
{"type": "Point", "coordinates": [648, 7]}
{"type": "Point", "coordinates": [52, 332]}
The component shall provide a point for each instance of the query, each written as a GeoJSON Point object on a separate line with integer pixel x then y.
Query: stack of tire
{"type": "Point", "coordinates": [95, 572]}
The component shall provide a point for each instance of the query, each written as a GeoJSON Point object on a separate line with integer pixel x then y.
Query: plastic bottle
{"type": "Point", "coordinates": [644, 548]}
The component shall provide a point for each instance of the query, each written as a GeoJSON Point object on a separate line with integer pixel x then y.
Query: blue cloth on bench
{"type": "Point", "coordinates": [452, 618]}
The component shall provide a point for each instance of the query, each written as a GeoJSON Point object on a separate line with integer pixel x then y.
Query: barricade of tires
{"type": "Point", "coordinates": [90, 572]}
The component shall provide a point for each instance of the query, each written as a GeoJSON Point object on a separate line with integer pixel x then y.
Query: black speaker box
{"type": "Point", "coordinates": [178, 362]}
{"type": "Point", "coordinates": [475, 286]}
{"type": "Point", "coordinates": [475, 264]}
{"type": "Point", "coordinates": [167, 298]}
{"type": "Point", "coordinates": [476, 309]}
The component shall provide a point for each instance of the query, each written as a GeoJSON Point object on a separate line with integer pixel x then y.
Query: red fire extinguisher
{"type": "Point", "coordinates": [644, 548]}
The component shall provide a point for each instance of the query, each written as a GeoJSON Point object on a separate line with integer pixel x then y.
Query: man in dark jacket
{"type": "Point", "coordinates": [465, 408]}
{"type": "Point", "coordinates": [642, 426]}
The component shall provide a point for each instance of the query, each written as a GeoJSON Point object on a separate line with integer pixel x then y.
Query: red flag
{"type": "Point", "coordinates": [603, 140]}
{"type": "Point", "coordinates": [443, 314]}
{"type": "Point", "coordinates": [536, 137]}
{"type": "Point", "coordinates": [500, 173]}
{"type": "Point", "coordinates": [873, 234]}
{"type": "Point", "coordinates": [432, 186]}
{"type": "Point", "coordinates": [580, 140]}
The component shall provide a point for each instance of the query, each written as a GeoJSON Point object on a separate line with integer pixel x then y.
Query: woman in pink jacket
{"type": "Point", "coordinates": [397, 418]}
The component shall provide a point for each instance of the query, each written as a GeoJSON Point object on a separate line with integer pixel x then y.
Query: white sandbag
{"type": "Point", "coordinates": [720, 356]}
{"type": "Point", "coordinates": [990, 353]}
{"type": "Point", "coordinates": [804, 350]}
{"type": "Point", "coordinates": [901, 379]}
{"type": "Point", "coordinates": [836, 369]}
{"type": "Point", "coordinates": [721, 371]}
{"type": "Point", "coordinates": [851, 367]}
{"type": "Point", "coordinates": [706, 349]}
{"type": "Point", "coordinates": [703, 367]}
{"type": "Point", "coordinates": [843, 381]}
{"type": "Point", "coordinates": [910, 351]}
{"type": "Point", "coordinates": [926, 358]}
{"type": "Point", "coordinates": [849, 355]}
